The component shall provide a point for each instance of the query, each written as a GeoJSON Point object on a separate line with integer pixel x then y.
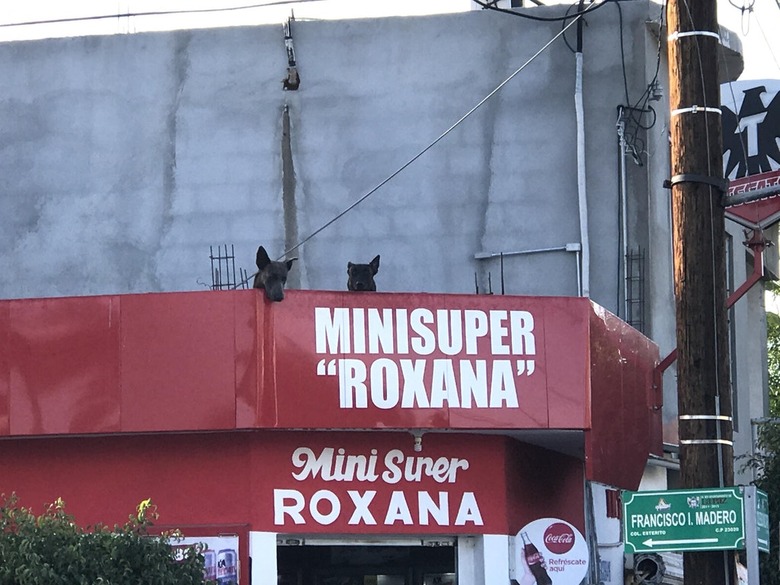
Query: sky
{"type": "Point", "coordinates": [756, 22]}
{"type": "Point", "coordinates": [261, 12]}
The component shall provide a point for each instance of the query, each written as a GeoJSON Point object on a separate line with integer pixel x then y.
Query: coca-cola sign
{"type": "Point", "coordinates": [559, 538]}
{"type": "Point", "coordinates": [549, 551]}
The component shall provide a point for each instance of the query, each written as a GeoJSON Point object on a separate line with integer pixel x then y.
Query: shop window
{"type": "Point", "coordinates": [366, 565]}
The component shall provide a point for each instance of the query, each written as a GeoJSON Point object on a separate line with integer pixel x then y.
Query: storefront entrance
{"type": "Point", "coordinates": [375, 564]}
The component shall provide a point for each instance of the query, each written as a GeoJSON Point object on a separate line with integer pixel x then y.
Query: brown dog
{"type": "Point", "coordinates": [360, 277]}
{"type": "Point", "coordinates": [271, 275]}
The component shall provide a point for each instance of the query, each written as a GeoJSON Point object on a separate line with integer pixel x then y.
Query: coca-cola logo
{"type": "Point", "coordinates": [559, 538]}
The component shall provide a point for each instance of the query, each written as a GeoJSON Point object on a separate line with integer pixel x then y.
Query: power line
{"type": "Point", "coordinates": [432, 144]}
{"type": "Point", "coordinates": [154, 13]}
{"type": "Point", "coordinates": [528, 16]}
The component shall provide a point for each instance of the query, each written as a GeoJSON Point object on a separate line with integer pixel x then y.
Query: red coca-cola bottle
{"type": "Point", "coordinates": [535, 561]}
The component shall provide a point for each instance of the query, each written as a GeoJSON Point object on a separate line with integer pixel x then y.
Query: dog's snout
{"type": "Point", "coordinates": [275, 294]}
{"type": "Point", "coordinates": [274, 291]}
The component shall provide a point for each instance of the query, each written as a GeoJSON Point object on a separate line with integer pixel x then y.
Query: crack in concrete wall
{"type": "Point", "coordinates": [288, 198]}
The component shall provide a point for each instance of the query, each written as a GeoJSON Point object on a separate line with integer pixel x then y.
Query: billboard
{"type": "Point", "coordinates": [751, 155]}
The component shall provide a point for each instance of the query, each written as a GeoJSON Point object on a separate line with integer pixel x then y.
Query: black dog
{"type": "Point", "coordinates": [361, 276]}
{"type": "Point", "coordinates": [271, 275]}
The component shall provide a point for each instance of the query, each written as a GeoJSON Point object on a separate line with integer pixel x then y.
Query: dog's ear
{"type": "Point", "coordinates": [262, 260]}
{"type": "Point", "coordinates": [349, 266]}
{"type": "Point", "coordinates": [375, 264]}
{"type": "Point", "coordinates": [290, 263]}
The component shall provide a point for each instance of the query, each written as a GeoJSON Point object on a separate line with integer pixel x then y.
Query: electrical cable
{"type": "Point", "coordinates": [645, 97]}
{"type": "Point", "coordinates": [594, 6]}
{"type": "Point", "coordinates": [424, 150]}
{"type": "Point", "coordinates": [741, 137]}
{"type": "Point", "coordinates": [437, 140]}
{"type": "Point", "coordinates": [563, 23]}
{"type": "Point", "coordinates": [622, 51]}
{"type": "Point", "coordinates": [634, 113]}
{"type": "Point", "coordinates": [766, 40]}
{"type": "Point", "coordinates": [744, 7]}
{"type": "Point", "coordinates": [403, 167]}
{"type": "Point", "coordinates": [153, 13]}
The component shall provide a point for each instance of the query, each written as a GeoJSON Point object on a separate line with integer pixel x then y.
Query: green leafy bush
{"type": "Point", "coordinates": [52, 549]}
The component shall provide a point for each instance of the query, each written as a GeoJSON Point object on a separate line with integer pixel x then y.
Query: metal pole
{"type": "Point", "coordinates": [751, 536]}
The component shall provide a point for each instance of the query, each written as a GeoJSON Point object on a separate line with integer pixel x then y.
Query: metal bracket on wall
{"type": "Point", "coordinates": [575, 248]}
{"type": "Point", "coordinates": [293, 80]}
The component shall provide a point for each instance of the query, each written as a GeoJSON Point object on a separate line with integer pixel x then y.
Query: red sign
{"type": "Point", "coordinates": [381, 484]}
{"type": "Point", "coordinates": [378, 483]}
{"type": "Point", "coordinates": [444, 361]}
{"type": "Point", "coordinates": [390, 488]}
{"type": "Point", "coordinates": [342, 482]}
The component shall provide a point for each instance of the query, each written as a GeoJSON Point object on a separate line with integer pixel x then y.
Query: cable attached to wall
{"type": "Point", "coordinates": [575, 19]}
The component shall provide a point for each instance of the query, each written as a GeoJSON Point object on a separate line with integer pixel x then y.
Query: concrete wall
{"type": "Point", "coordinates": [122, 158]}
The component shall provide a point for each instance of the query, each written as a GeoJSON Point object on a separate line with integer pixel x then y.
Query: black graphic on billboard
{"type": "Point", "coordinates": [750, 134]}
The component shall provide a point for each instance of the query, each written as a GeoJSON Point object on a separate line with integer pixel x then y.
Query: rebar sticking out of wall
{"type": "Point", "coordinates": [223, 269]}
{"type": "Point", "coordinates": [635, 289]}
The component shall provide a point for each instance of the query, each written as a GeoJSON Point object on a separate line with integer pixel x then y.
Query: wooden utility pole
{"type": "Point", "coordinates": [704, 392]}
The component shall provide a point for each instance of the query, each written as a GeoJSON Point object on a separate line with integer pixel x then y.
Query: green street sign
{"type": "Point", "coordinates": [762, 520]}
{"type": "Point", "coordinates": [684, 520]}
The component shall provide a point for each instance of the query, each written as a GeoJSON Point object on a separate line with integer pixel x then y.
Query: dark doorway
{"type": "Point", "coordinates": [366, 565]}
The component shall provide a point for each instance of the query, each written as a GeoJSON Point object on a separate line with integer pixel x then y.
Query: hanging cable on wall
{"type": "Point", "coordinates": [443, 134]}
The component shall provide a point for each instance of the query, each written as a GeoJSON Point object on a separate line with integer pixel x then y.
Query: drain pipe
{"type": "Point", "coordinates": [581, 192]}
{"type": "Point", "coordinates": [623, 248]}
{"type": "Point", "coordinates": [582, 198]}
{"type": "Point", "coordinates": [758, 243]}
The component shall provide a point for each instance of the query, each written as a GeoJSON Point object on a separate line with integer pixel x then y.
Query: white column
{"type": "Point", "coordinates": [483, 560]}
{"type": "Point", "coordinates": [262, 551]}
